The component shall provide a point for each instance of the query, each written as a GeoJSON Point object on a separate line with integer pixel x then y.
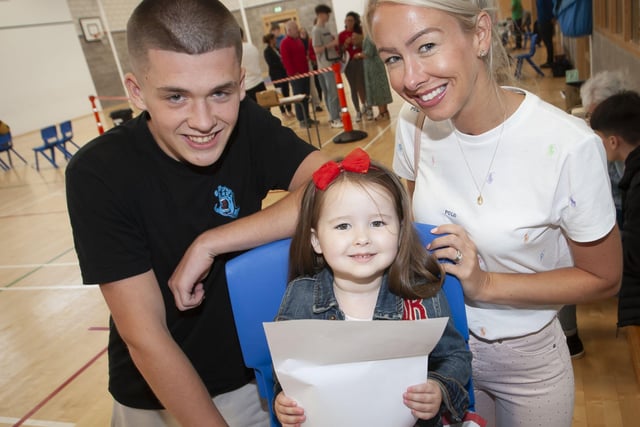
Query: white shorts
{"type": "Point", "coordinates": [239, 408]}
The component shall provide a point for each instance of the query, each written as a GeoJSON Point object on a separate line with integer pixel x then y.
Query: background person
{"type": "Point", "coordinates": [277, 71]}
{"type": "Point", "coordinates": [311, 58]}
{"type": "Point", "coordinates": [253, 80]}
{"type": "Point", "coordinates": [277, 33]}
{"type": "Point", "coordinates": [325, 44]}
{"type": "Point", "coordinates": [596, 89]}
{"type": "Point", "coordinates": [375, 80]}
{"type": "Point", "coordinates": [4, 128]}
{"type": "Point", "coordinates": [616, 121]}
{"type": "Point", "coordinates": [315, 88]}
{"type": "Point", "coordinates": [516, 16]}
{"type": "Point", "coordinates": [546, 28]}
{"type": "Point", "coordinates": [188, 170]}
{"type": "Point", "coordinates": [295, 61]}
{"type": "Point", "coordinates": [482, 149]}
{"type": "Point", "coordinates": [351, 41]}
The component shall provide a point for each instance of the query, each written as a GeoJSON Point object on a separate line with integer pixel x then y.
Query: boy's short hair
{"type": "Point", "coordinates": [619, 115]}
{"type": "Point", "coordinates": [322, 8]}
{"type": "Point", "coordinates": [185, 26]}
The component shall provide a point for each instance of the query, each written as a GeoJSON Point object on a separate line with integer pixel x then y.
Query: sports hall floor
{"type": "Point", "coordinates": [53, 337]}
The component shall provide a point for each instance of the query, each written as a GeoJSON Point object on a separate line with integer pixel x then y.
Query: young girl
{"type": "Point", "coordinates": [356, 256]}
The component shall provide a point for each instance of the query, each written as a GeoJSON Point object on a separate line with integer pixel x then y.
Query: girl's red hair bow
{"type": "Point", "coordinates": [357, 161]}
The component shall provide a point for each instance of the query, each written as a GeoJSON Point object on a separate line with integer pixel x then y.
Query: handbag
{"type": "Point", "coordinates": [332, 54]}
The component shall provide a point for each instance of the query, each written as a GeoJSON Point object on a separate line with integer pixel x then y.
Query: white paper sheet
{"type": "Point", "coordinates": [352, 373]}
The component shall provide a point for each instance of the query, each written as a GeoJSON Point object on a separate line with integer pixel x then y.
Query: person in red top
{"type": "Point", "coordinates": [295, 61]}
{"type": "Point", "coordinates": [351, 41]}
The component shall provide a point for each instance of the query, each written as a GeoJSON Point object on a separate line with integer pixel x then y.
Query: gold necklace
{"type": "Point", "coordinates": [479, 199]}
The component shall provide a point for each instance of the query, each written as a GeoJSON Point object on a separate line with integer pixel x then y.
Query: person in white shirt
{"type": "Point", "coordinates": [519, 190]}
{"type": "Point", "coordinates": [253, 80]}
{"type": "Point", "coordinates": [325, 46]}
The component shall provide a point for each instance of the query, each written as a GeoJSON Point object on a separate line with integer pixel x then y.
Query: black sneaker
{"type": "Point", "coordinates": [546, 65]}
{"type": "Point", "coordinates": [576, 349]}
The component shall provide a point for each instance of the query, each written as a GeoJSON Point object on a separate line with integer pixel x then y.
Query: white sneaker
{"type": "Point", "coordinates": [358, 117]}
{"type": "Point", "coordinates": [336, 123]}
{"type": "Point", "coordinates": [369, 114]}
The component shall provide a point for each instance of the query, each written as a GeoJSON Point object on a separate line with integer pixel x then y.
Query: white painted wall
{"type": "Point", "coordinates": [342, 7]}
{"type": "Point", "coordinates": [44, 78]}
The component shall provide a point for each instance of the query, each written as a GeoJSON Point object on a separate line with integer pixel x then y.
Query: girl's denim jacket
{"type": "Point", "coordinates": [449, 362]}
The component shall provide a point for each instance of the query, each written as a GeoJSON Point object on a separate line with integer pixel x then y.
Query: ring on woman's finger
{"type": "Point", "coordinates": [458, 258]}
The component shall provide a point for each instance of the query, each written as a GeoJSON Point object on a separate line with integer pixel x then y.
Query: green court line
{"type": "Point", "coordinates": [36, 269]}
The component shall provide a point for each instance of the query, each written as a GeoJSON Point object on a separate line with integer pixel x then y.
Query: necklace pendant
{"type": "Point", "coordinates": [480, 200]}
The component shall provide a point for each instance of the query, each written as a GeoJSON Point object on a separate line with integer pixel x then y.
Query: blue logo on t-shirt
{"type": "Point", "coordinates": [226, 205]}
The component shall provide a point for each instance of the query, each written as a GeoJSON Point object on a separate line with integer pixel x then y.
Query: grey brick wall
{"type": "Point", "coordinates": [100, 57]}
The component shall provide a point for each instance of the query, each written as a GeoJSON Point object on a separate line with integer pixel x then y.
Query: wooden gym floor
{"type": "Point", "coordinates": [53, 330]}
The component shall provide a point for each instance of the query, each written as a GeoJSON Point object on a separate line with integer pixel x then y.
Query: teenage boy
{"type": "Point", "coordinates": [325, 44]}
{"type": "Point", "coordinates": [200, 157]}
{"type": "Point", "coordinates": [616, 120]}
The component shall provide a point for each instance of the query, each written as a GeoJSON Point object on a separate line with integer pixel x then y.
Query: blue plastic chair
{"type": "Point", "coordinates": [51, 142]}
{"type": "Point", "coordinates": [66, 134]}
{"type": "Point", "coordinates": [528, 57]}
{"type": "Point", "coordinates": [257, 281]}
{"type": "Point", "coordinates": [6, 145]}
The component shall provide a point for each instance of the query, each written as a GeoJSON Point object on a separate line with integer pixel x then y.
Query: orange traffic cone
{"type": "Point", "coordinates": [349, 135]}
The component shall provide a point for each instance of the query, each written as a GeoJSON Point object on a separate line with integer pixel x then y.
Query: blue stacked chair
{"type": "Point", "coordinates": [528, 57]}
{"type": "Point", "coordinates": [51, 143]}
{"type": "Point", "coordinates": [6, 146]}
{"type": "Point", "coordinates": [66, 133]}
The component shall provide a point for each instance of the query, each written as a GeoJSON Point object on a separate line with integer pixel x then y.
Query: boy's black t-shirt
{"type": "Point", "coordinates": [134, 209]}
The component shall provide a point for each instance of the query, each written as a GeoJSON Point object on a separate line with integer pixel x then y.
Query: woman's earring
{"type": "Point", "coordinates": [482, 53]}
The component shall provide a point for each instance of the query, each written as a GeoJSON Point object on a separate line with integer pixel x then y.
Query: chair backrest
{"type": "Point", "coordinates": [532, 47]}
{"type": "Point", "coordinates": [49, 135]}
{"type": "Point", "coordinates": [257, 281]}
{"type": "Point", "coordinates": [5, 141]}
{"type": "Point", "coordinates": [66, 130]}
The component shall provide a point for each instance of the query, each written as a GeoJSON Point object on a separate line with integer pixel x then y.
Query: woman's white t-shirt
{"type": "Point", "coordinates": [548, 180]}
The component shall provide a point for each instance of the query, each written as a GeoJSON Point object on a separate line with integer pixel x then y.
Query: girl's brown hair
{"type": "Point", "coordinates": [414, 274]}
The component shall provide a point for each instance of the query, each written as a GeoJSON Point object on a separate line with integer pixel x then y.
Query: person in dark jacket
{"type": "Point", "coordinates": [616, 121]}
{"type": "Point", "coordinates": [546, 28]}
{"type": "Point", "coordinates": [276, 70]}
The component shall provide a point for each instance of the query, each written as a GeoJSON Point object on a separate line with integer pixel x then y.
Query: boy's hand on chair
{"type": "Point", "coordinates": [288, 412]}
{"type": "Point", "coordinates": [423, 399]}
